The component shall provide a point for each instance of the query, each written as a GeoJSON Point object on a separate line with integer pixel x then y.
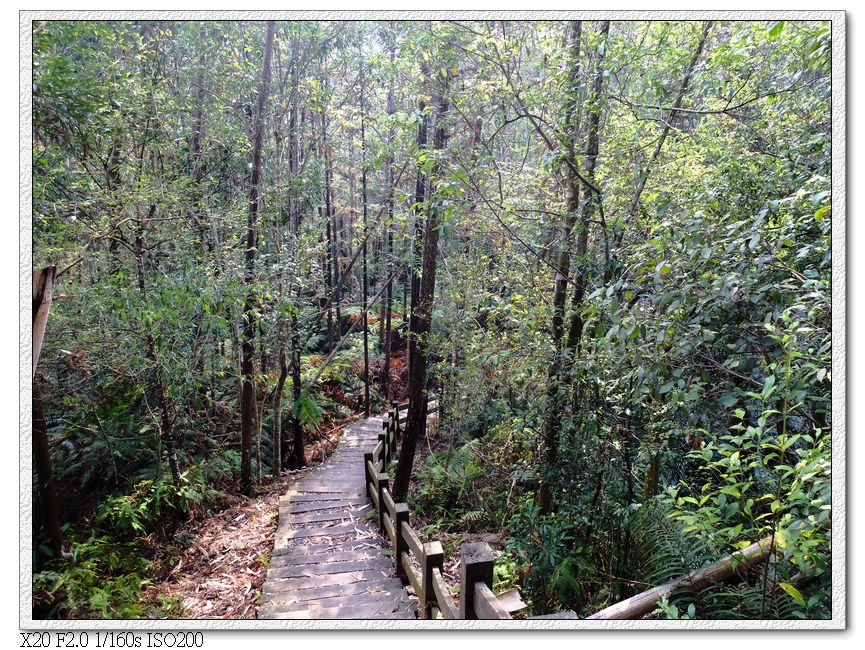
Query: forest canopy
{"type": "Point", "coordinates": [605, 245]}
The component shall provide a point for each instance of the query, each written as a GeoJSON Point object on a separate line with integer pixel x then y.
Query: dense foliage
{"type": "Point", "coordinates": [631, 324]}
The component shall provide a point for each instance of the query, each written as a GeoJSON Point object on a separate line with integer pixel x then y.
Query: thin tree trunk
{"type": "Point", "coordinates": [335, 330]}
{"type": "Point", "coordinates": [247, 398]}
{"type": "Point", "coordinates": [683, 88]}
{"type": "Point", "coordinates": [417, 240]}
{"type": "Point", "coordinates": [554, 403]}
{"type": "Point", "coordinates": [365, 235]}
{"type": "Point", "coordinates": [43, 289]}
{"type": "Point", "coordinates": [423, 322]}
{"type": "Point", "coordinates": [277, 405]}
{"type": "Point", "coordinates": [298, 458]}
{"type": "Point", "coordinates": [197, 171]}
{"type": "Point", "coordinates": [385, 324]}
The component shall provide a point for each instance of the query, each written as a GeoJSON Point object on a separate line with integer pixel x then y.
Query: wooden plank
{"type": "Point", "coordinates": [389, 504]}
{"type": "Point", "coordinates": [486, 605]}
{"type": "Point", "coordinates": [373, 469]}
{"type": "Point", "coordinates": [395, 597]}
{"type": "Point", "coordinates": [324, 531]}
{"type": "Point", "coordinates": [322, 506]}
{"type": "Point", "coordinates": [414, 542]}
{"type": "Point", "coordinates": [316, 517]}
{"type": "Point", "coordinates": [511, 600]}
{"type": "Point", "coordinates": [352, 612]}
{"type": "Point", "coordinates": [306, 570]}
{"type": "Point", "coordinates": [444, 601]}
{"type": "Point", "coordinates": [304, 583]}
{"type": "Point", "coordinates": [414, 576]}
{"type": "Point", "coordinates": [305, 595]}
{"type": "Point", "coordinates": [341, 475]}
{"type": "Point", "coordinates": [319, 548]}
{"type": "Point", "coordinates": [353, 490]}
{"type": "Point", "coordinates": [331, 559]}
{"type": "Point", "coordinates": [565, 615]}
{"type": "Point", "coordinates": [320, 498]}
{"type": "Point", "coordinates": [387, 522]}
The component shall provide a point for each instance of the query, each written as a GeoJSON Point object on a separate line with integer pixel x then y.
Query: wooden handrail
{"type": "Point", "coordinates": [476, 560]}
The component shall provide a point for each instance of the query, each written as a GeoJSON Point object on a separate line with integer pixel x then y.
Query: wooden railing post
{"type": "Point", "coordinates": [394, 415]}
{"type": "Point", "coordinates": [401, 546]}
{"type": "Point", "coordinates": [382, 438]}
{"type": "Point", "coordinates": [367, 479]}
{"type": "Point", "coordinates": [434, 558]}
{"type": "Point", "coordinates": [476, 564]}
{"type": "Point", "coordinates": [382, 485]}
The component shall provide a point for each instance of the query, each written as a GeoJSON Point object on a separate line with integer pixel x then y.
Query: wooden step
{"type": "Point", "coordinates": [371, 611]}
{"type": "Point", "coordinates": [395, 598]}
{"type": "Point", "coordinates": [329, 560]}
{"type": "Point", "coordinates": [277, 591]}
{"type": "Point", "coordinates": [308, 570]}
{"type": "Point", "coordinates": [332, 559]}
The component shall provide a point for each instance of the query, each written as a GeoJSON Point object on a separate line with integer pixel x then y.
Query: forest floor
{"type": "Point", "coordinates": [219, 571]}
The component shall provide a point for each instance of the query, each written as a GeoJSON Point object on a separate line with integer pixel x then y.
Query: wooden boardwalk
{"type": "Point", "coordinates": [329, 559]}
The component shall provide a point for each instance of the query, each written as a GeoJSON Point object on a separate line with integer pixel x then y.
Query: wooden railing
{"type": "Point", "coordinates": [420, 563]}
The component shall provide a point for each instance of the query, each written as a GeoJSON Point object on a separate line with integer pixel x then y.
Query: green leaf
{"type": "Point", "coordinates": [776, 30]}
{"type": "Point", "coordinates": [795, 594]}
{"type": "Point", "coordinates": [768, 387]}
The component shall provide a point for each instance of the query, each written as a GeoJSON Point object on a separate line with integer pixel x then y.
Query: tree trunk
{"type": "Point", "coordinates": [385, 323]}
{"type": "Point", "coordinates": [297, 458]}
{"type": "Point", "coordinates": [423, 321]}
{"type": "Point", "coordinates": [417, 240]}
{"type": "Point", "coordinates": [43, 289]}
{"type": "Point", "coordinates": [247, 397]}
{"type": "Point", "coordinates": [555, 380]}
{"type": "Point", "coordinates": [365, 236]}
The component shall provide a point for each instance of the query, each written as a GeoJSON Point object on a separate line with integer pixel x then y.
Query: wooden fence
{"type": "Point", "coordinates": [420, 563]}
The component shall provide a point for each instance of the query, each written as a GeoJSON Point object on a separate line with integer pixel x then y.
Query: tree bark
{"type": "Point", "coordinates": [422, 319]}
{"type": "Point", "coordinates": [43, 289]}
{"type": "Point", "coordinates": [247, 397]}
{"type": "Point", "coordinates": [365, 236]}
{"type": "Point", "coordinates": [385, 323]}
{"type": "Point", "coordinates": [555, 379]}
{"type": "Point", "coordinates": [298, 457]}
